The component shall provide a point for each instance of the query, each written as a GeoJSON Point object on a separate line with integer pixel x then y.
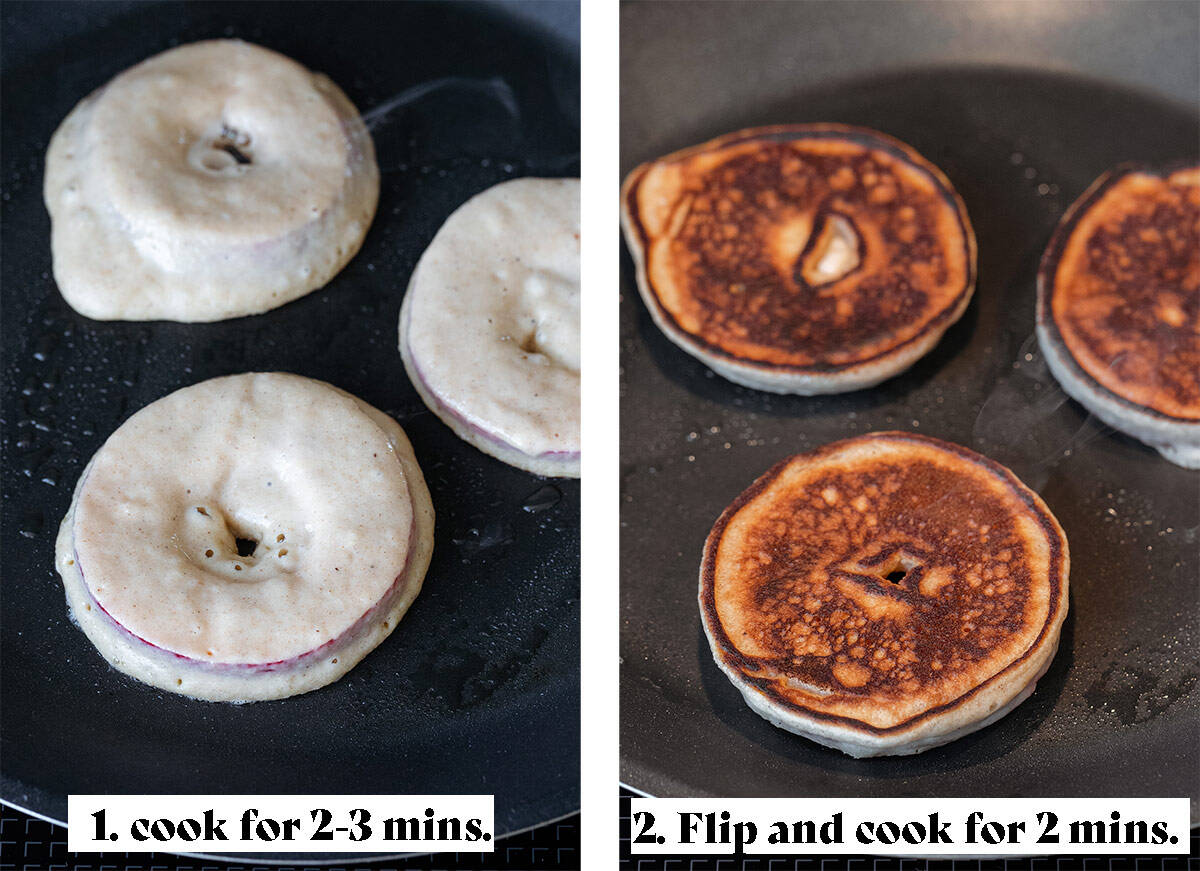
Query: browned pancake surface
{"type": "Point", "coordinates": [1126, 289]}
{"type": "Point", "coordinates": [735, 233]}
{"type": "Point", "coordinates": [882, 577]}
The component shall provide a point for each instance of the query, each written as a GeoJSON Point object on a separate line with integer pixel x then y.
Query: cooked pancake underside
{"type": "Point", "coordinates": [882, 580]}
{"type": "Point", "coordinates": [815, 249]}
{"type": "Point", "coordinates": [1123, 279]}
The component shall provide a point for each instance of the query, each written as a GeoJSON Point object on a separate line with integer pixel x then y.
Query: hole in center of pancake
{"type": "Point", "coordinates": [897, 567]}
{"type": "Point", "coordinates": [235, 143]}
{"type": "Point", "coordinates": [227, 153]}
{"type": "Point", "coordinates": [530, 344]}
{"type": "Point", "coordinates": [832, 253]}
{"type": "Point", "coordinates": [245, 546]}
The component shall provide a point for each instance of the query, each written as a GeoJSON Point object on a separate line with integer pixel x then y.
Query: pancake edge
{"type": "Point", "coordinates": [163, 669]}
{"type": "Point", "coordinates": [980, 706]}
{"type": "Point", "coordinates": [566, 464]}
{"type": "Point", "coordinates": [1177, 439]}
{"type": "Point", "coordinates": [784, 378]}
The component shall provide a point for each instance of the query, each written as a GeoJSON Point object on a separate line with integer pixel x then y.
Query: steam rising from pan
{"type": "Point", "coordinates": [495, 87]}
{"type": "Point", "coordinates": [1018, 425]}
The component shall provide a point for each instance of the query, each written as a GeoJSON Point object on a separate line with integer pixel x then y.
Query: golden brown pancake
{"type": "Point", "coordinates": [810, 258]}
{"type": "Point", "coordinates": [885, 594]}
{"type": "Point", "coordinates": [1119, 305]}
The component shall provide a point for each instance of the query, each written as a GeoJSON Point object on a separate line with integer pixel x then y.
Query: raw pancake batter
{"type": "Point", "coordinates": [249, 537]}
{"type": "Point", "coordinates": [213, 180]}
{"type": "Point", "coordinates": [489, 329]}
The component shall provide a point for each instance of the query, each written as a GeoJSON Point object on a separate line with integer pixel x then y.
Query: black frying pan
{"type": "Point", "coordinates": [477, 691]}
{"type": "Point", "coordinates": [1022, 105]}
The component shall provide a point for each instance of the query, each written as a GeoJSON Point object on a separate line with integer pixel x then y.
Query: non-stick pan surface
{"type": "Point", "coordinates": [1117, 714]}
{"type": "Point", "coordinates": [477, 691]}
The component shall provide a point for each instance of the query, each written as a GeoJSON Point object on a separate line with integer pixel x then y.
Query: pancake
{"type": "Point", "coordinates": [210, 181]}
{"type": "Point", "coordinates": [489, 327]}
{"type": "Point", "coordinates": [809, 258]}
{"type": "Point", "coordinates": [249, 537]}
{"type": "Point", "coordinates": [885, 594]}
{"type": "Point", "coordinates": [1119, 305]}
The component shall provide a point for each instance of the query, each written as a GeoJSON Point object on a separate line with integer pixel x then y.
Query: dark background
{"type": "Point", "coordinates": [28, 844]}
{"type": "Point", "coordinates": [477, 691]}
{"type": "Point", "coordinates": [1022, 105]}
{"type": "Point", "coordinates": [726, 862]}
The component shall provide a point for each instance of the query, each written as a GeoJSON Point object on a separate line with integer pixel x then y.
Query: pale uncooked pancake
{"type": "Point", "coordinates": [489, 329]}
{"type": "Point", "coordinates": [213, 180]}
{"type": "Point", "coordinates": [885, 594]}
{"type": "Point", "coordinates": [323, 491]}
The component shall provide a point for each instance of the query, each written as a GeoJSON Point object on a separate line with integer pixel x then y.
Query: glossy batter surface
{"type": "Point", "coordinates": [322, 491]}
{"type": "Point", "coordinates": [810, 247]}
{"type": "Point", "coordinates": [490, 324]}
{"type": "Point", "coordinates": [883, 578]}
{"type": "Point", "coordinates": [213, 180]}
{"type": "Point", "coordinates": [1126, 290]}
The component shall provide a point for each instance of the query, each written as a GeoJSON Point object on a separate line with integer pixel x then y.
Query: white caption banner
{"type": "Point", "coordinates": [280, 823]}
{"type": "Point", "coordinates": [910, 826]}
